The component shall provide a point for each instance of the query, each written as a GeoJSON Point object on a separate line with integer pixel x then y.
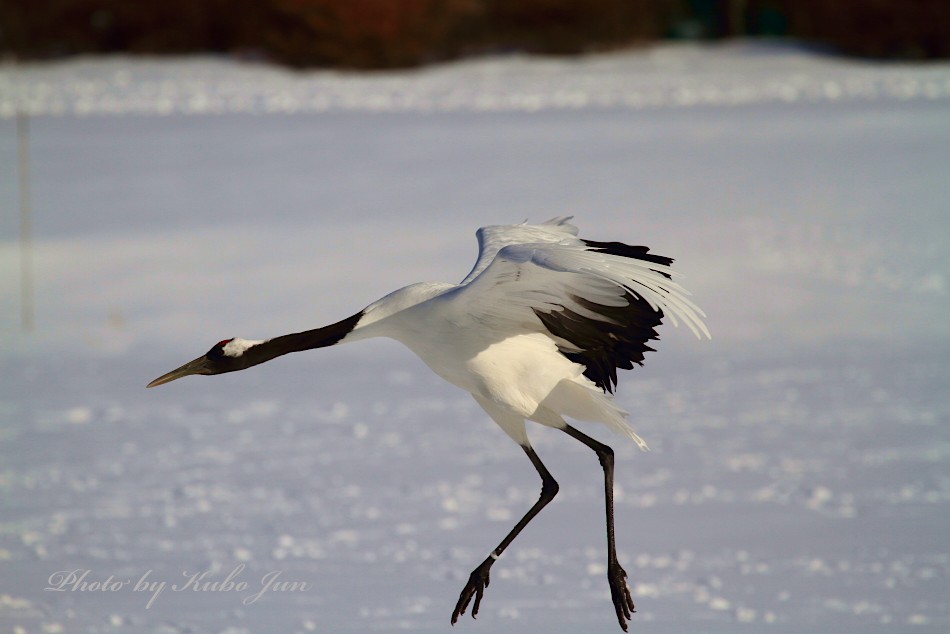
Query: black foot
{"type": "Point", "coordinates": [620, 593]}
{"type": "Point", "coordinates": [477, 582]}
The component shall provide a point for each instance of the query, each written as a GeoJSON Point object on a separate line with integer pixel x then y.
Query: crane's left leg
{"type": "Point", "coordinates": [479, 579]}
{"type": "Point", "coordinates": [616, 575]}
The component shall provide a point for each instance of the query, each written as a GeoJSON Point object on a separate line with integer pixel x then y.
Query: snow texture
{"type": "Point", "coordinates": [799, 476]}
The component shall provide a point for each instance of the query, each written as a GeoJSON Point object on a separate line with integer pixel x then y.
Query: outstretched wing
{"type": "Point", "coordinates": [599, 301]}
{"type": "Point", "coordinates": [492, 239]}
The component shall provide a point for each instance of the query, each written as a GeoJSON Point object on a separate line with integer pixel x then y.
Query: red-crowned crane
{"type": "Point", "coordinates": [536, 331]}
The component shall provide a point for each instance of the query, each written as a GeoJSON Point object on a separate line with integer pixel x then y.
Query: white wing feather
{"type": "Point", "coordinates": [548, 275]}
{"type": "Point", "coordinates": [493, 239]}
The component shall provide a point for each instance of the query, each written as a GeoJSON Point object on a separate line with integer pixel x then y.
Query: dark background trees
{"type": "Point", "coordinates": [398, 33]}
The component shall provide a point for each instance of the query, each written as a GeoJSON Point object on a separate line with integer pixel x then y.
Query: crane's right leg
{"type": "Point", "coordinates": [478, 580]}
{"type": "Point", "coordinates": [616, 575]}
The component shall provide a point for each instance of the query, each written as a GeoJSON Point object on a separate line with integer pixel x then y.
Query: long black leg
{"type": "Point", "coordinates": [478, 580]}
{"type": "Point", "coordinates": [616, 575]}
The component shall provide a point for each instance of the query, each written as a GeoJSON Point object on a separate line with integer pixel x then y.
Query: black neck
{"type": "Point", "coordinates": [298, 341]}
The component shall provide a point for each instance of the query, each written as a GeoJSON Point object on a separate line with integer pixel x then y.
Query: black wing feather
{"type": "Point", "coordinates": [620, 339]}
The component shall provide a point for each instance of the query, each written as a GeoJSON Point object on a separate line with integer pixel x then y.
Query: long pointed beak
{"type": "Point", "coordinates": [198, 366]}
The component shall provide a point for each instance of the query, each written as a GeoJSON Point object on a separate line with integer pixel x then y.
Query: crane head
{"type": "Point", "coordinates": [225, 356]}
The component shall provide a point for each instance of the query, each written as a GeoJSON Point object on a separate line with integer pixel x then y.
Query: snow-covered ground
{"type": "Point", "coordinates": [799, 476]}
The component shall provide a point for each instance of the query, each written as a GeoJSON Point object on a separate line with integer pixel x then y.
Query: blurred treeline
{"type": "Point", "coordinates": [395, 33]}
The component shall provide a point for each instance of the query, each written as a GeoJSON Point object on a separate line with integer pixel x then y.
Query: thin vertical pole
{"type": "Point", "coordinates": [26, 223]}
